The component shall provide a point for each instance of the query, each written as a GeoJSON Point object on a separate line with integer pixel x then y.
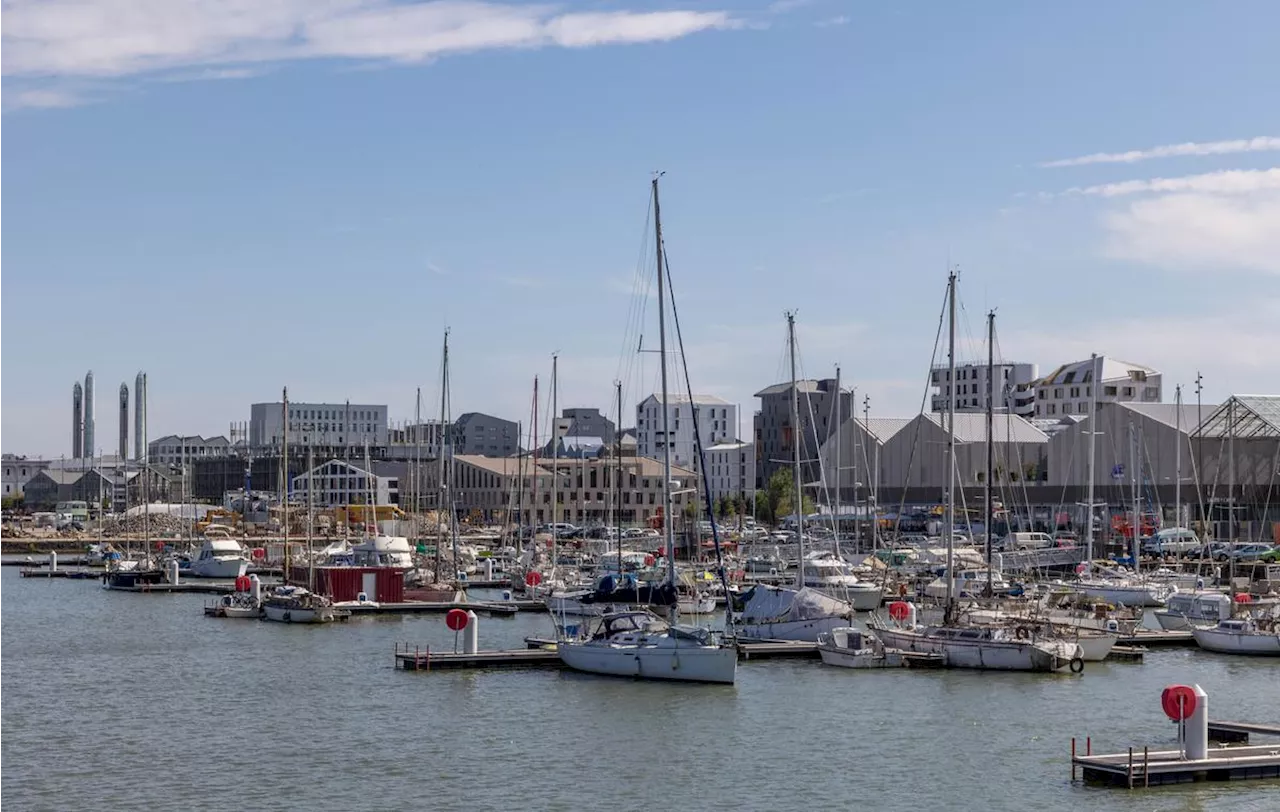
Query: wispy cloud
{"type": "Point", "coordinates": [213, 75]}
{"type": "Point", "coordinates": [833, 21]}
{"type": "Point", "coordinates": [1263, 143]}
{"type": "Point", "coordinates": [41, 98]}
{"type": "Point", "coordinates": [520, 281]}
{"type": "Point", "coordinates": [1227, 182]}
{"type": "Point", "coordinates": [113, 38]}
{"type": "Point", "coordinates": [1199, 232]}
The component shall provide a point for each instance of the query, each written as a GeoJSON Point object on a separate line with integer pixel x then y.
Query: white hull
{"type": "Point", "coordinates": [704, 606]}
{"type": "Point", "coordinates": [1125, 595]}
{"type": "Point", "coordinates": [860, 659]}
{"type": "Point", "coordinates": [1235, 643]}
{"type": "Point", "coordinates": [803, 630]}
{"type": "Point", "coordinates": [218, 568]}
{"type": "Point", "coordinates": [864, 597]}
{"type": "Point", "coordinates": [283, 614]}
{"type": "Point", "coordinates": [690, 663]}
{"type": "Point", "coordinates": [990, 655]}
{"type": "Point", "coordinates": [562, 605]}
{"type": "Point", "coordinates": [1178, 622]}
{"type": "Point", "coordinates": [1094, 648]}
{"type": "Point", "coordinates": [243, 612]}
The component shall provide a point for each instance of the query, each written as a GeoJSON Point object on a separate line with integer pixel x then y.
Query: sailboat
{"type": "Point", "coordinates": [981, 647]}
{"type": "Point", "coordinates": [803, 613]}
{"type": "Point", "coordinates": [637, 643]}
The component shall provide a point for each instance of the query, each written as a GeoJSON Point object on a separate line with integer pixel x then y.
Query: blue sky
{"type": "Point", "coordinates": [238, 196]}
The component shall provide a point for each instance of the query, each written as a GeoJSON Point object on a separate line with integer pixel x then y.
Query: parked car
{"type": "Point", "coordinates": [1272, 556]}
{"type": "Point", "coordinates": [1026, 541]}
{"type": "Point", "coordinates": [1244, 552]}
{"type": "Point", "coordinates": [1172, 541]}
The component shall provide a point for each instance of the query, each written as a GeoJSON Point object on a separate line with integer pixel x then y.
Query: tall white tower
{"type": "Point", "coordinates": [77, 421]}
{"type": "Point", "coordinates": [140, 417]}
{"type": "Point", "coordinates": [90, 447]}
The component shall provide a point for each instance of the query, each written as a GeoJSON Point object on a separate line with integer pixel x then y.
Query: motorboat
{"type": "Point", "coordinates": [832, 576]}
{"type": "Point", "coordinates": [993, 648]}
{"type": "Point", "coordinates": [781, 613]}
{"type": "Point", "coordinates": [847, 647]}
{"type": "Point", "coordinates": [294, 604]}
{"type": "Point", "coordinates": [1121, 587]}
{"type": "Point", "coordinates": [383, 551]}
{"type": "Point", "coordinates": [639, 644]}
{"type": "Point", "coordinates": [1198, 609]}
{"type": "Point", "coordinates": [1258, 636]}
{"type": "Point", "coordinates": [237, 605]}
{"type": "Point", "coordinates": [699, 603]}
{"type": "Point", "coordinates": [219, 558]}
{"type": "Point", "coordinates": [970, 582]}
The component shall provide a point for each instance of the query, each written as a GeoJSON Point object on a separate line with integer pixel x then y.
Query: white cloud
{"type": "Point", "coordinates": [833, 22]}
{"type": "Point", "coordinates": [44, 98]}
{"type": "Point", "coordinates": [1264, 143]}
{"type": "Point", "coordinates": [1200, 232]}
{"type": "Point", "coordinates": [112, 38]}
{"type": "Point", "coordinates": [1232, 181]}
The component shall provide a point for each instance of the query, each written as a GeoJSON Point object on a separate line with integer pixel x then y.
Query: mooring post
{"type": "Point", "coordinates": [1073, 758]}
{"type": "Point", "coordinates": [1129, 769]}
{"type": "Point", "coordinates": [1146, 774]}
{"type": "Point", "coordinates": [1088, 745]}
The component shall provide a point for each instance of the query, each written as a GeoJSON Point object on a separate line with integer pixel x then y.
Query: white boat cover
{"type": "Point", "coordinates": [773, 604]}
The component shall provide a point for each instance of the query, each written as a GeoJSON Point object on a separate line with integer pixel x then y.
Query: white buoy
{"type": "Point", "coordinates": [255, 589]}
{"type": "Point", "coordinates": [53, 561]}
{"type": "Point", "coordinates": [173, 570]}
{"type": "Point", "coordinates": [1197, 726]}
{"type": "Point", "coordinates": [506, 594]}
{"type": "Point", "coordinates": [911, 615]}
{"type": "Point", "coordinates": [471, 634]}
{"type": "Point", "coordinates": [488, 569]}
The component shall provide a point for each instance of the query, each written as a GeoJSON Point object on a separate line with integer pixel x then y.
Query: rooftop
{"type": "Point", "coordinates": [702, 400]}
{"type": "Point", "coordinates": [1244, 417]}
{"type": "Point", "coordinates": [1112, 369]}
{"type": "Point", "coordinates": [971, 427]}
{"type": "Point", "coordinates": [807, 385]}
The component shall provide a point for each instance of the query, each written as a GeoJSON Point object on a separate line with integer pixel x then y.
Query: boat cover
{"type": "Point", "coordinates": [774, 604]}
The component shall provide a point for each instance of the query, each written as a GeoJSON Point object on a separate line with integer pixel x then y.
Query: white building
{"type": "Point", "coordinates": [341, 483]}
{"type": "Point", "coordinates": [173, 450]}
{"type": "Point", "coordinates": [1068, 389]}
{"type": "Point", "coordinates": [717, 423]}
{"type": "Point", "coordinates": [18, 471]}
{"type": "Point", "coordinates": [731, 469]}
{"type": "Point", "coordinates": [1014, 388]}
{"type": "Point", "coordinates": [318, 424]}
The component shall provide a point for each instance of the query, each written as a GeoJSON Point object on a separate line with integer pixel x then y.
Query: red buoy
{"type": "Point", "coordinates": [1178, 701]}
{"type": "Point", "coordinates": [649, 561]}
{"type": "Point", "coordinates": [1243, 597]}
{"type": "Point", "coordinates": [259, 553]}
{"type": "Point", "coordinates": [899, 610]}
{"type": "Point", "coordinates": [456, 620]}
{"type": "Point", "coordinates": [532, 578]}
{"type": "Point", "coordinates": [243, 583]}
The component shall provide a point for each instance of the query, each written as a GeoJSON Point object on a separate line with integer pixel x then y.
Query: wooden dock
{"type": "Point", "coordinates": [74, 573]}
{"type": "Point", "coordinates": [190, 587]}
{"type": "Point", "coordinates": [417, 659]}
{"type": "Point", "coordinates": [1154, 637]}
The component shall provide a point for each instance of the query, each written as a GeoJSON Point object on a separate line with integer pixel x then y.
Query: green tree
{"type": "Point", "coordinates": [776, 501]}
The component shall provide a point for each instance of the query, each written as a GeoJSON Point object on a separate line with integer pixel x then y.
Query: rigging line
{"type": "Point", "coordinates": [937, 340]}
{"type": "Point", "coordinates": [698, 450]}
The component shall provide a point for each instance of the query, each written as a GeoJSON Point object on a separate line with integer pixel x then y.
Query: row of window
{"type": "Point", "coordinates": [334, 414]}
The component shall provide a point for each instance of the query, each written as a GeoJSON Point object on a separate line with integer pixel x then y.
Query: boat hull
{"type": "Point", "coordinates": [844, 658]}
{"type": "Point", "coordinates": [217, 568]}
{"type": "Point", "coordinates": [284, 614]}
{"type": "Point", "coordinates": [1094, 648]}
{"type": "Point", "coordinates": [712, 664]}
{"type": "Point", "coordinates": [989, 655]}
{"type": "Point", "coordinates": [1263, 645]}
{"type": "Point", "coordinates": [801, 630]}
{"type": "Point", "coordinates": [1124, 595]}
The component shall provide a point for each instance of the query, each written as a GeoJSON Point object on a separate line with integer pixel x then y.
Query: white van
{"type": "Point", "coordinates": [1172, 541]}
{"type": "Point", "coordinates": [1027, 541]}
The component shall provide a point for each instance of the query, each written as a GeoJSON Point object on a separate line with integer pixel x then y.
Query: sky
{"type": "Point", "coordinates": [242, 195]}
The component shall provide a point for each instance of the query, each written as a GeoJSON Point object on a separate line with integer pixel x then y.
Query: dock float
{"type": "Point", "coordinates": [80, 574]}
{"type": "Point", "coordinates": [426, 660]}
{"type": "Point", "coordinates": [1126, 654]}
{"type": "Point", "coordinates": [1195, 759]}
{"type": "Point", "coordinates": [1154, 637]}
{"type": "Point", "coordinates": [500, 608]}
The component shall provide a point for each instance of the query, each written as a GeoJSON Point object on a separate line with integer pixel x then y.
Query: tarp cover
{"type": "Point", "coordinates": [762, 604]}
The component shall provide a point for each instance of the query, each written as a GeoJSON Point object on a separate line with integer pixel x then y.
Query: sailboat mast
{"type": "Point", "coordinates": [951, 439]}
{"type": "Point", "coordinates": [1231, 489]}
{"type": "Point", "coordinates": [555, 459]}
{"type": "Point", "coordinates": [311, 483]}
{"type": "Point", "coordinates": [441, 430]}
{"type": "Point", "coordinates": [1092, 426]}
{"type": "Point", "coordinates": [667, 535]}
{"type": "Point", "coordinates": [617, 478]}
{"type": "Point", "coordinates": [1136, 479]}
{"type": "Point", "coordinates": [835, 506]}
{"type": "Point", "coordinates": [1177, 457]}
{"type": "Point", "coordinates": [417, 456]}
{"type": "Point", "coordinates": [991, 451]}
{"type": "Point", "coordinates": [795, 448]}
{"type": "Point", "coordinates": [284, 483]}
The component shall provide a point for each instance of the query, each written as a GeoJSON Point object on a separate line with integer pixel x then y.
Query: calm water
{"type": "Point", "coordinates": [120, 701]}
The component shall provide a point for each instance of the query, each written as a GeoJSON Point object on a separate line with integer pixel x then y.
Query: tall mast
{"type": "Point", "coordinates": [534, 451]}
{"type": "Point", "coordinates": [795, 448]}
{"type": "Point", "coordinates": [441, 431]}
{"type": "Point", "coordinates": [555, 459]}
{"type": "Point", "coordinates": [1092, 426]}
{"type": "Point", "coordinates": [991, 449]}
{"type": "Point", "coordinates": [417, 457]}
{"type": "Point", "coordinates": [835, 507]}
{"type": "Point", "coordinates": [617, 478]}
{"type": "Point", "coordinates": [1136, 479]}
{"type": "Point", "coordinates": [311, 484]}
{"type": "Point", "coordinates": [284, 481]}
{"type": "Point", "coordinates": [1231, 487]}
{"type": "Point", "coordinates": [951, 440]}
{"type": "Point", "coordinates": [873, 468]}
{"type": "Point", "coordinates": [520, 469]}
{"type": "Point", "coordinates": [1177, 457]}
{"type": "Point", "coordinates": [667, 535]}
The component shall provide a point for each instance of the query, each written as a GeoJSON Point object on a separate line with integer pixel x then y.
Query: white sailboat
{"type": "Point", "coordinates": [637, 644]}
{"type": "Point", "coordinates": [1241, 636]}
{"type": "Point", "coordinates": [853, 648]}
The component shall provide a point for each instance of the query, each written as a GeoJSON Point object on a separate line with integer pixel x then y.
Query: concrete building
{"type": "Point", "coordinates": [717, 423]}
{"type": "Point", "coordinates": [1014, 390]}
{"type": "Point", "coordinates": [1068, 389]}
{"type": "Point", "coordinates": [860, 459]}
{"type": "Point", "coordinates": [18, 471]}
{"type": "Point", "coordinates": [818, 417]}
{"type": "Point", "coordinates": [1237, 453]}
{"type": "Point", "coordinates": [337, 482]}
{"type": "Point", "coordinates": [174, 450]}
{"type": "Point", "coordinates": [916, 455]}
{"type": "Point", "coordinates": [731, 469]}
{"type": "Point", "coordinates": [493, 489]}
{"type": "Point", "coordinates": [419, 439]}
{"type": "Point", "coordinates": [320, 425]}
{"type": "Point", "coordinates": [588, 422]}
{"type": "Point", "coordinates": [1157, 427]}
{"type": "Point", "coordinates": [486, 435]}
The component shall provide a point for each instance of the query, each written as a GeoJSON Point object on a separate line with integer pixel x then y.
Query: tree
{"type": "Point", "coordinates": [775, 503]}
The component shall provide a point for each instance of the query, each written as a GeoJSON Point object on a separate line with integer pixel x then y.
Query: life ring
{"type": "Point", "coordinates": [1077, 665]}
{"type": "Point", "coordinates": [1023, 633]}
